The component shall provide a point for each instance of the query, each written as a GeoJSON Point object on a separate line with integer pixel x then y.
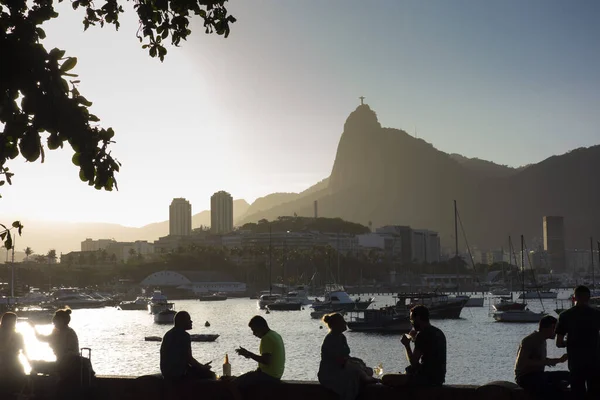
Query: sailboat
{"type": "Point", "coordinates": [469, 301]}
{"type": "Point", "coordinates": [285, 303]}
{"type": "Point", "coordinates": [524, 315]}
{"type": "Point", "coordinates": [509, 304]}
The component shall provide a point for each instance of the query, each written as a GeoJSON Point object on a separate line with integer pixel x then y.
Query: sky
{"type": "Point", "coordinates": [262, 111]}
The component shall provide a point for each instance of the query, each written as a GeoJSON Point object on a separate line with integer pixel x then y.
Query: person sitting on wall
{"type": "Point", "coordinates": [338, 372]}
{"type": "Point", "coordinates": [427, 362]}
{"type": "Point", "coordinates": [11, 346]}
{"type": "Point", "coordinates": [532, 359]}
{"type": "Point", "coordinates": [176, 360]}
{"type": "Point", "coordinates": [271, 360]}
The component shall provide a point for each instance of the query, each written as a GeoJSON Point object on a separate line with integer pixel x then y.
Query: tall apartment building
{"type": "Point", "coordinates": [180, 217]}
{"type": "Point", "coordinates": [554, 242]}
{"type": "Point", "coordinates": [221, 213]}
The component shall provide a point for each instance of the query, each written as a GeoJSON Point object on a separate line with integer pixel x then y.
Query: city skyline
{"type": "Point", "coordinates": [496, 93]}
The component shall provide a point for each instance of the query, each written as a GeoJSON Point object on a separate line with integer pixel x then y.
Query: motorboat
{"type": "Point", "coordinates": [165, 316]}
{"type": "Point", "coordinates": [299, 294]}
{"type": "Point", "coordinates": [538, 295]}
{"type": "Point", "coordinates": [266, 299]}
{"type": "Point", "coordinates": [440, 306]}
{"type": "Point", "coordinates": [158, 302]}
{"type": "Point", "coordinates": [336, 298]}
{"type": "Point", "coordinates": [383, 320]}
{"type": "Point", "coordinates": [522, 316]}
{"type": "Point", "coordinates": [285, 304]}
{"type": "Point", "coordinates": [74, 299]}
{"type": "Point", "coordinates": [213, 297]}
{"type": "Point", "coordinates": [508, 305]}
{"type": "Point", "coordinates": [140, 303]}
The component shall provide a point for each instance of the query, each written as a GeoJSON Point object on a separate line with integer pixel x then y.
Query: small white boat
{"type": "Point", "coordinates": [140, 303]}
{"type": "Point", "coordinates": [193, 338]}
{"type": "Point", "coordinates": [267, 299]}
{"type": "Point", "coordinates": [522, 316]}
{"type": "Point", "coordinates": [158, 302]}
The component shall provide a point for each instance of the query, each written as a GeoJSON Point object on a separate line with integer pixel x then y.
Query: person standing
{"type": "Point", "coordinates": [176, 360]}
{"type": "Point", "coordinates": [11, 345]}
{"type": "Point", "coordinates": [427, 361]}
{"type": "Point", "coordinates": [271, 360]}
{"type": "Point", "coordinates": [577, 330]}
{"type": "Point", "coordinates": [337, 372]}
{"type": "Point", "coordinates": [532, 359]}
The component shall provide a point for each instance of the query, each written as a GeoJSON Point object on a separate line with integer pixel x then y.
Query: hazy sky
{"type": "Point", "coordinates": [262, 111]}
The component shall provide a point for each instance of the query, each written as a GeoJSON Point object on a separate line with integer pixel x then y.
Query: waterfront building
{"type": "Point", "coordinates": [425, 246]}
{"type": "Point", "coordinates": [180, 217]}
{"type": "Point", "coordinates": [388, 245]}
{"type": "Point", "coordinates": [554, 242]}
{"type": "Point", "coordinates": [95, 245]}
{"type": "Point", "coordinates": [221, 213]}
{"type": "Point", "coordinates": [406, 237]}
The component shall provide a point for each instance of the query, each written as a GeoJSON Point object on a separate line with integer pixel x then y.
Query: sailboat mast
{"type": "Point", "coordinates": [592, 258]}
{"type": "Point", "coordinates": [12, 269]}
{"type": "Point", "coordinates": [456, 245]}
{"type": "Point", "coordinates": [523, 265]}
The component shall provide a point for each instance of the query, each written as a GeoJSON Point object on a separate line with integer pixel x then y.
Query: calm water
{"type": "Point", "coordinates": [479, 349]}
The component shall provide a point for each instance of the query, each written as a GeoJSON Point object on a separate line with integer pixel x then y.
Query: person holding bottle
{"type": "Point", "coordinates": [176, 360]}
{"type": "Point", "coordinates": [339, 372]}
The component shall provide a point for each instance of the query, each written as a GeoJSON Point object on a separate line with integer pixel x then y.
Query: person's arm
{"type": "Point", "coordinates": [262, 359]}
{"type": "Point", "coordinates": [413, 356]}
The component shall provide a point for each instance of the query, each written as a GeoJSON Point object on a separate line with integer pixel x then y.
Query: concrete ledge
{"type": "Point", "coordinates": [154, 388]}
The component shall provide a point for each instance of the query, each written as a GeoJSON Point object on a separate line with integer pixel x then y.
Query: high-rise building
{"type": "Point", "coordinates": [221, 213]}
{"type": "Point", "coordinates": [180, 217]}
{"type": "Point", "coordinates": [554, 242]}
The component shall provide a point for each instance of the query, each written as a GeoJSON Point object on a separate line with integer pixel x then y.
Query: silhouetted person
{"type": "Point", "coordinates": [11, 345]}
{"type": "Point", "coordinates": [532, 359]}
{"type": "Point", "coordinates": [337, 372]}
{"type": "Point", "coordinates": [176, 360]}
{"type": "Point", "coordinates": [577, 330]}
{"type": "Point", "coordinates": [428, 359]}
{"type": "Point", "coordinates": [63, 339]}
{"type": "Point", "coordinates": [271, 360]}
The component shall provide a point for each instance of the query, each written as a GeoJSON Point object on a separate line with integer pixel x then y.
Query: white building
{"type": "Point", "coordinates": [425, 246]}
{"type": "Point", "coordinates": [195, 281]}
{"type": "Point", "coordinates": [180, 217]}
{"type": "Point", "coordinates": [389, 244]}
{"type": "Point", "coordinates": [221, 213]}
{"type": "Point", "coordinates": [95, 245]}
{"type": "Point", "coordinates": [292, 240]}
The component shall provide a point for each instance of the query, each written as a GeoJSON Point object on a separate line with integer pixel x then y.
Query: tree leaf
{"type": "Point", "coordinates": [69, 64]}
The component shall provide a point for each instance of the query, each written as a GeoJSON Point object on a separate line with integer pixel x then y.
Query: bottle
{"type": "Point", "coordinates": [226, 366]}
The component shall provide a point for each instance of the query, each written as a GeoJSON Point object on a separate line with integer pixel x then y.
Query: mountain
{"type": "Point", "coordinates": [386, 176]}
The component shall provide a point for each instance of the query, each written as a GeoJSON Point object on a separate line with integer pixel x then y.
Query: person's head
{"type": "Point", "coordinates": [259, 326]}
{"type": "Point", "coordinates": [183, 320]}
{"type": "Point", "coordinates": [419, 317]}
{"type": "Point", "coordinates": [9, 321]}
{"type": "Point", "coordinates": [335, 322]}
{"type": "Point", "coordinates": [62, 318]}
{"type": "Point", "coordinates": [547, 326]}
{"type": "Point", "coordinates": [582, 294]}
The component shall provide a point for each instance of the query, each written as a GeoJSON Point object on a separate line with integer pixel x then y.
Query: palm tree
{"type": "Point", "coordinates": [28, 251]}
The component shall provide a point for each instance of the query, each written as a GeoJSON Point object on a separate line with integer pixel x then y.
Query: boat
{"type": "Point", "coordinates": [441, 306]}
{"type": "Point", "coordinates": [284, 304]}
{"type": "Point", "coordinates": [74, 299]}
{"type": "Point", "coordinates": [300, 295]}
{"type": "Point", "coordinates": [140, 303]}
{"type": "Point", "coordinates": [383, 320]}
{"type": "Point", "coordinates": [165, 316]}
{"type": "Point", "coordinates": [523, 315]}
{"type": "Point", "coordinates": [471, 301]}
{"type": "Point", "coordinates": [336, 298]}
{"type": "Point", "coordinates": [213, 297]}
{"type": "Point", "coordinates": [158, 302]}
{"type": "Point", "coordinates": [534, 294]}
{"type": "Point", "coordinates": [267, 299]}
{"type": "Point", "coordinates": [193, 338]}
{"type": "Point", "coordinates": [508, 305]}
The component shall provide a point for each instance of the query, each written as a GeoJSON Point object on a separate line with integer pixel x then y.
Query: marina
{"type": "Point", "coordinates": [478, 347]}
